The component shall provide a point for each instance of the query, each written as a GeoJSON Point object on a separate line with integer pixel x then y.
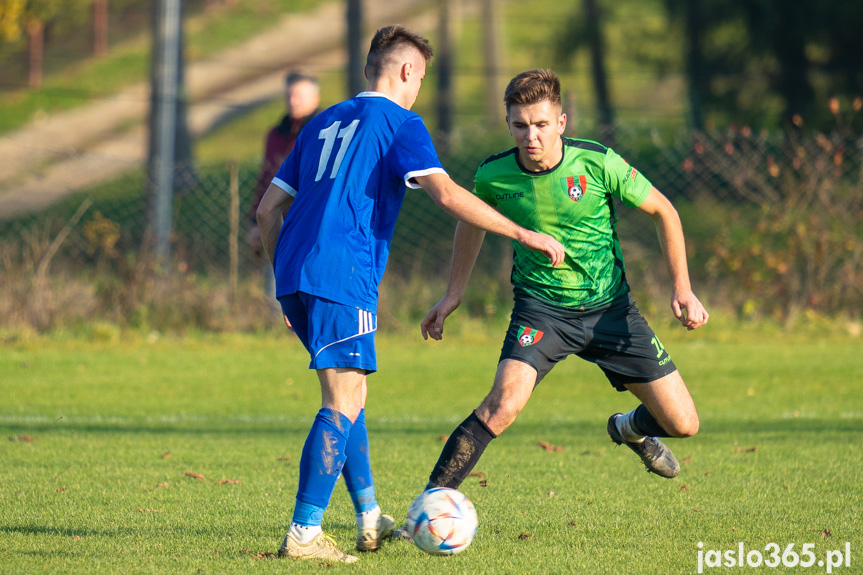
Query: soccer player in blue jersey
{"type": "Point", "coordinates": [342, 187]}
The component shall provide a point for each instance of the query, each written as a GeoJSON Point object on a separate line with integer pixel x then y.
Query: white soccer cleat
{"type": "Point", "coordinates": [322, 547]}
{"type": "Point", "coordinates": [370, 538]}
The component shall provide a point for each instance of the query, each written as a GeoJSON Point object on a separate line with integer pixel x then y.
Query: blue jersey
{"type": "Point", "coordinates": [348, 174]}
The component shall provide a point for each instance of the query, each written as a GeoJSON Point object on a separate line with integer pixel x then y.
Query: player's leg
{"type": "Point", "coordinates": [666, 409]}
{"type": "Point", "coordinates": [323, 457]}
{"type": "Point", "coordinates": [513, 385]}
{"type": "Point", "coordinates": [340, 340]}
{"type": "Point", "coordinates": [372, 525]}
{"type": "Point", "coordinates": [633, 358]}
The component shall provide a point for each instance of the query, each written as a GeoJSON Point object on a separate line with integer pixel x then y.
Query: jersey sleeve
{"type": "Point", "coordinates": [288, 177]}
{"type": "Point", "coordinates": [413, 153]}
{"type": "Point", "coordinates": [624, 181]}
{"type": "Point", "coordinates": [481, 189]}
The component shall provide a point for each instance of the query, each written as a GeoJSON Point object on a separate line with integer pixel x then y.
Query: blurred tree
{"type": "Point", "coordinates": [33, 18]}
{"type": "Point", "coordinates": [764, 62]}
{"type": "Point", "coordinates": [100, 27]}
{"type": "Point", "coordinates": [583, 29]}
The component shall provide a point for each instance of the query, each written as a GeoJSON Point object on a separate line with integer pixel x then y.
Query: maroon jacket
{"type": "Point", "coordinates": [280, 142]}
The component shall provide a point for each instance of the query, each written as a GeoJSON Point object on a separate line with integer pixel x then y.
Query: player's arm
{"type": "Point", "coordinates": [461, 204]}
{"type": "Point", "coordinates": [466, 245]}
{"type": "Point", "coordinates": [270, 214]}
{"type": "Point", "coordinates": [686, 307]}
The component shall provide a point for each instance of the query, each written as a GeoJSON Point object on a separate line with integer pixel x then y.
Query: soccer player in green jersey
{"type": "Point", "coordinates": [565, 188]}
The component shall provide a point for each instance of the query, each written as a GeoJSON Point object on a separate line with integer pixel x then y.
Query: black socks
{"type": "Point", "coordinates": [646, 424]}
{"type": "Point", "coordinates": [461, 453]}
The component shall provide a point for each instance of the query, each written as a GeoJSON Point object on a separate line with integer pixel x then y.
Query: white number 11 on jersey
{"type": "Point", "coordinates": [329, 135]}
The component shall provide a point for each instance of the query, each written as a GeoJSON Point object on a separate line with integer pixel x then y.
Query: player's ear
{"type": "Point", "coordinates": [406, 70]}
{"type": "Point", "coordinates": [366, 72]}
{"type": "Point", "coordinates": [508, 127]}
{"type": "Point", "coordinates": [561, 124]}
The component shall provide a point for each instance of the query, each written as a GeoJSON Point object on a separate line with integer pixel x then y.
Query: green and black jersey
{"type": "Point", "coordinates": [573, 202]}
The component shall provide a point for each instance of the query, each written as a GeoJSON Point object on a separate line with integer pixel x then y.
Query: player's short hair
{"type": "Point", "coordinates": [388, 41]}
{"type": "Point", "coordinates": [297, 77]}
{"type": "Point", "coordinates": [532, 87]}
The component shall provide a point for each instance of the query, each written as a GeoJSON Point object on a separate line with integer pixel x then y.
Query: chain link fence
{"type": "Point", "coordinates": [773, 227]}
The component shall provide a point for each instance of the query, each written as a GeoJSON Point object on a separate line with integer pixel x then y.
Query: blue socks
{"type": "Point", "coordinates": [320, 465]}
{"type": "Point", "coordinates": [358, 467]}
{"type": "Point", "coordinates": [334, 446]}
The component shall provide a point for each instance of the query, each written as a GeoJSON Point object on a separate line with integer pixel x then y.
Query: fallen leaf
{"type": "Point", "coordinates": [62, 490]}
{"type": "Point", "coordinates": [228, 482]}
{"type": "Point", "coordinates": [166, 455]}
{"type": "Point", "coordinates": [826, 533]}
{"type": "Point", "coordinates": [443, 438]}
{"type": "Point", "coordinates": [261, 555]}
{"type": "Point", "coordinates": [149, 510]}
{"type": "Point", "coordinates": [25, 438]}
{"type": "Point", "coordinates": [158, 485]}
{"type": "Point", "coordinates": [686, 460]}
{"type": "Point", "coordinates": [551, 493]}
{"type": "Point", "coordinates": [285, 458]}
{"type": "Point", "coordinates": [479, 474]}
{"type": "Point", "coordinates": [684, 488]}
{"type": "Point", "coordinates": [197, 476]}
{"type": "Point", "coordinates": [524, 536]}
{"type": "Point", "coordinates": [76, 538]}
{"type": "Point", "coordinates": [483, 483]}
{"type": "Point", "coordinates": [549, 447]}
{"type": "Point", "coordinates": [573, 523]}
{"type": "Point", "coordinates": [746, 449]}
{"type": "Point", "coordinates": [706, 473]}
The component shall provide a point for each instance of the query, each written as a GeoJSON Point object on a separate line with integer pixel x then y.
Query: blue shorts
{"type": "Point", "coordinates": [335, 335]}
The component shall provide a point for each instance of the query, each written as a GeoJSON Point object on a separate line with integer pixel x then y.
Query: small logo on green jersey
{"type": "Point", "coordinates": [528, 336]}
{"type": "Point", "coordinates": [574, 189]}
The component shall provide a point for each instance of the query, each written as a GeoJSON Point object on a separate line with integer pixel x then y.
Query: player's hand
{"type": "Point", "coordinates": [288, 323]}
{"type": "Point", "coordinates": [689, 310]}
{"type": "Point", "coordinates": [432, 325]}
{"type": "Point", "coordinates": [546, 244]}
{"type": "Point", "coordinates": [253, 240]}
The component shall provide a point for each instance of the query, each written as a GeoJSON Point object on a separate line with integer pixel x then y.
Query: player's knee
{"type": "Point", "coordinates": [686, 426]}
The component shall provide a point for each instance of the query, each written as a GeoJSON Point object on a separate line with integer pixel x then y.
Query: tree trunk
{"type": "Point", "coordinates": [447, 23]}
{"type": "Point", "coordinates": [100, 27]}
{"type": "Point", "coordinates": [492, 48]}
{"type": "Point", "coordinates": [600, 78]}
{"type": "Point", "coordinates": [694, 22]}
{"type": "Point", "coordinates": [356, 55]}
{"type": "Point", "coordinates": [35, 52]}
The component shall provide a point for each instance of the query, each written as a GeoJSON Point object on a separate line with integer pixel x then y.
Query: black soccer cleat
{"type": "Point", "coordinates": [656, 456]}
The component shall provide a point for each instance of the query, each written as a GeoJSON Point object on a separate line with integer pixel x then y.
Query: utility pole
{"type": "Point", "coordinates": [356, 78]}
{"type": "Point", "coordinates": [164, 123]}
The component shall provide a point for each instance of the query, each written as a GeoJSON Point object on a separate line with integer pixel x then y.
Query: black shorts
{"type": "Point", "coordinates": [616, 338]}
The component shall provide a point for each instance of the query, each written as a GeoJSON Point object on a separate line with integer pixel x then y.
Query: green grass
{"type": "Point", "coordinates": [116, 425]}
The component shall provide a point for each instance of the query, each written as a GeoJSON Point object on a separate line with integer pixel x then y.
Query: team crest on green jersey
{"type": "Point", "coordinates": [528, 336]}
{"type": "Point", "coordinates": [575, 189]}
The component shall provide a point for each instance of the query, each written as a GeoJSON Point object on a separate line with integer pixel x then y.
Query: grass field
{"type": "Point", "coordinates": [103, 437]}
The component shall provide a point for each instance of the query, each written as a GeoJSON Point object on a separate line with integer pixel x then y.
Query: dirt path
{"type": "Point", "coordinates": [68, 151]}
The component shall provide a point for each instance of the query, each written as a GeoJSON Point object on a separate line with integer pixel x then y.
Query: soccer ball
{"type": "Point", "coordinates": [442, 521]}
